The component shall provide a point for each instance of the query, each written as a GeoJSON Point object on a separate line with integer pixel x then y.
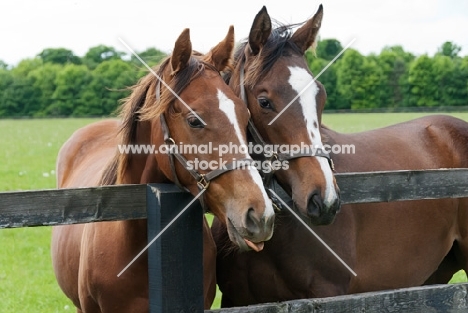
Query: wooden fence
{"type": "Point", "coordinates": [430, 299]}
{"type": "Point", "coordinates": [181, 290]}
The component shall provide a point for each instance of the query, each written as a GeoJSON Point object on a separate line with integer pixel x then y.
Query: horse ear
{"type": "Point", "coordinates": [260, 31]}
{"type": "Point", "coordinates": [221, 55]}
{"type": "Point", "coordinates": [182, 52]}
{"type": "Point", "coordinates": [305, 36]}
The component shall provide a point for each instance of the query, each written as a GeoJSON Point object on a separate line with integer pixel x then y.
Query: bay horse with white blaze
{"type": "Point", "coordinates": [389, 245]}
{"type": "Point", "coordinates": [87, 258]}
{"type": "Point", "coordinates": [259, 63]}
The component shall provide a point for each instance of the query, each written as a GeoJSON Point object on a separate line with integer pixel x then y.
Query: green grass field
{"type": "Point", "coordinates": [28, 149]}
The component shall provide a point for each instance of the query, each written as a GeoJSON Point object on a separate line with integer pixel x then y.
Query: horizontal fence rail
{"type": "Point", "coordinates": [72, 206]}
{"type": "Point", "coordinates": [429, 299]}
{"type": "Point", "coordinates": [110, 203]}
{"type": "Point", "coordinates": [159, 202]}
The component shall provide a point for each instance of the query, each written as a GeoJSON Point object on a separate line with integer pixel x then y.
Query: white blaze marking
{"type": "Point", "coordinates": [226, 105]}
{"type": "Point", "coordinates": [298, 80]}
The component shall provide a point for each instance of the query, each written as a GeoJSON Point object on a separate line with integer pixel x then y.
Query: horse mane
{"type": "Point", "coordinates": [143, 105]}
{"type": "Point", "coordinates": [278, 44]}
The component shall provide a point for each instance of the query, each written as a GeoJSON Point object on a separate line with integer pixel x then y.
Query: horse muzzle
{"type": "Point", "coordinates": [253, 232]}
{"type": "Point", "coordinates": [320, 213]}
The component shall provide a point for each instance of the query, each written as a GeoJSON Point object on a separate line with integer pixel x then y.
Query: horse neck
{"type": "Point", "coordinates": [140, 169]}
{"type": "Point", "coordinates": [144, 168]}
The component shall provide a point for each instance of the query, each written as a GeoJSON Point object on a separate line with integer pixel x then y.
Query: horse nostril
{"type": "Point", "coordinates": [314, 205]}
{"type": "Point", "coordinates": [251, 222]}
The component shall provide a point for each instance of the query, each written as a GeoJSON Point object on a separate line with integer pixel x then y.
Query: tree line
{"type": "Point", "coordinates": [58, 83]}
{"type": "Point", "coordinates": [392, 79]}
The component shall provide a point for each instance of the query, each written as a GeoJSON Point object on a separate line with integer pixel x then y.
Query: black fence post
{"type": "Point", "coordinates": [175, 260]}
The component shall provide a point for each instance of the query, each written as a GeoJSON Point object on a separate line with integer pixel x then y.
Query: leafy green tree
{"type": "Point", "coordinates": [401, 53]}
{"type": "Point", "coordinates": [150, 56]}
{"type": "Point", "coordinates": [97, 55]}
{"type": "Point", "coordinates": [6, 82]}
{"type": "Point", "coordinates": [71, 83]}
{"type": "Point", "coordinates": [438, 81]}
{"type": "Point", "coordinates": [394, 63]}
{"type": "Point", "coordinates": [44, 79]}
{"type": "Point", "coordinates": [328, 80]}
{"type": "Point", "coordinates": [449, 49]}
{"type": "Point", "coordinates": [451, 80]}
{"type": "Point", "coordinates": [358, 80]}
{"type": "Point", "coordinates": [348, 72]}
{"type": "Point", "coordinates": [423, 86]}
{"type": "Point", "coordinates": [59, 56]}
{"type": "Point", "coordinates": [108, 86]}
{"type": "Point", "coordinates": [24, 67]}
{"type": "Point", "coordinates": [464, 80]}
{"type": "Point", "coordinates": [373, 83]}
{"type": "Point", "coordinates": [3, 65]}
{"type": "Point", "coordinates": [20, 97]}
{"type": "Point", "coordinates": [327, 49]}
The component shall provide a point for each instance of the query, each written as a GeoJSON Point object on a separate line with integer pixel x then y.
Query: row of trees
{"type": "Point", "coordinates": [59, 83]}
{"type": "Point", "coordinates": [393, 79]}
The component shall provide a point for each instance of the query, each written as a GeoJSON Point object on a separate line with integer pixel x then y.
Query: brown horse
{"type": "Point", "coordinates": [87, 258]}
{"type": "Point", "coordinates": [389, 245]}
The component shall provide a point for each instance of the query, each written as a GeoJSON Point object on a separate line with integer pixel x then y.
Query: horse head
{"type": "Point", "coordinates": [286, 105]}
{"type": "Point", "coordinates": [184, 108]}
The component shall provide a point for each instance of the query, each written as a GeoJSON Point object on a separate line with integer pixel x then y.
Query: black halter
{"type": "Point", "coordinates": [203, 180]}
{"type": "Point", "coordinates": [258, 139]}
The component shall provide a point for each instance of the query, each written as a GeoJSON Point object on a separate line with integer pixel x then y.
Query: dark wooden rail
{"type": "Point", "coordinates": [110, 203]}
{"type": "Point", "coordinates": [181, 290]}
{"type": "Point", "coordinates": [429, 299]}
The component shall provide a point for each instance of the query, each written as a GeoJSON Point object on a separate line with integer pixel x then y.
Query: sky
{"type": "Point", "coordinates": [29, 26]}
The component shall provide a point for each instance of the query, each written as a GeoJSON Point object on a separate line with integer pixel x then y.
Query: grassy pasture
{"type": "Point", "coordinates": [28, 149]}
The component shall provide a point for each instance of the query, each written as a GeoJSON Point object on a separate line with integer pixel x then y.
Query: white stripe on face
{"type": "Point", "coordinates": [226, 105]}
{"type": "Point", "coordinates": [298, 80]}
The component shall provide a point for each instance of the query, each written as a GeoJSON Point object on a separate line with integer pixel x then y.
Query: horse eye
{"type": "Point", "coordinates": [194, 122]}
{"type": "Point", "coordinates": [264, 103]}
